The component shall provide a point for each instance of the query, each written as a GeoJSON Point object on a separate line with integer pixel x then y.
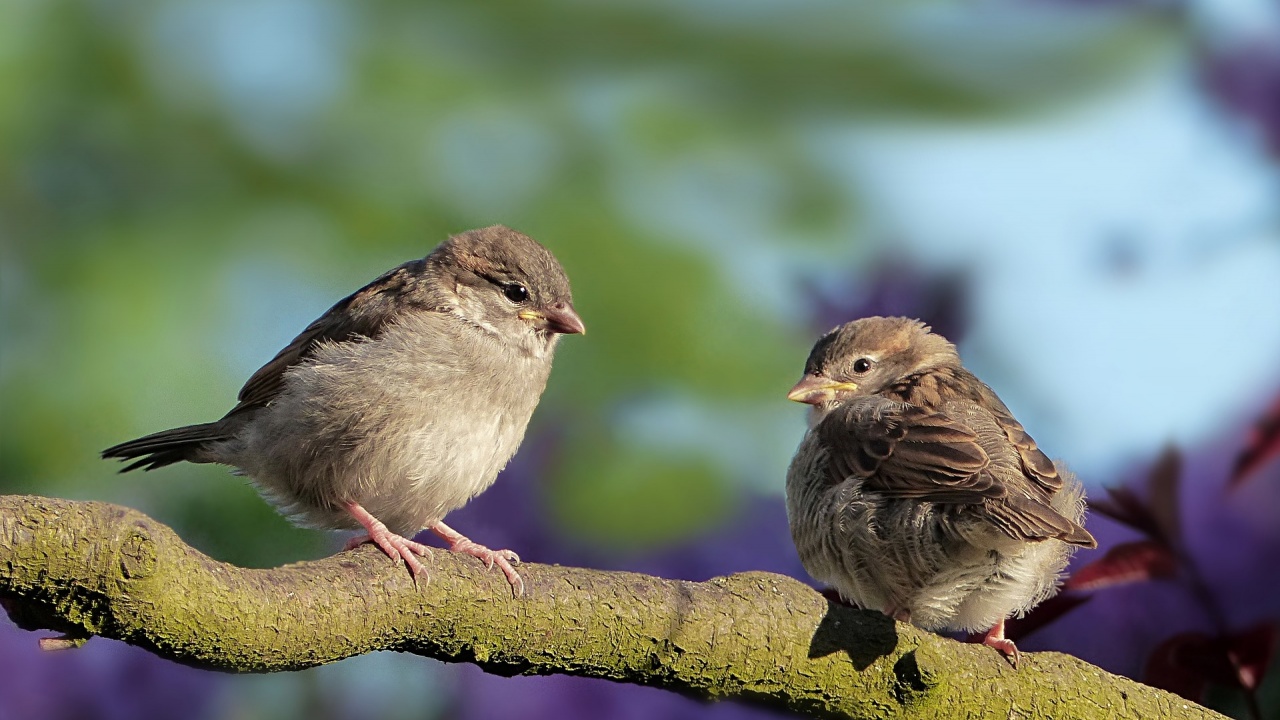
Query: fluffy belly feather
{"type": "Point", "coordinates": [402, 448]}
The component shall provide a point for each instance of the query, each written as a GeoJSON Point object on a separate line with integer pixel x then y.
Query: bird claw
{"type": "Point", "coordinates": [395, 546]}
{"type": "Point", "coordinates": [503, 558]}
{"type": "Point", "coordinates": [995, 639]}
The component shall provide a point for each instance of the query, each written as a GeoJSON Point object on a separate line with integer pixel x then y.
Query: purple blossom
{"type": "Point", "coordinates": [1234, 542]}
{"type": "Point", "coordinates": [103, 680]}
{"type": "Point", "coordinates": [1247, 80]}
{"type": "Point", "coordinates": [896, 287]}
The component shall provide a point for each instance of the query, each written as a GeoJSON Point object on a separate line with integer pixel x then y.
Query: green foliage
{"type": "Point", "coordinates": [179, 194]}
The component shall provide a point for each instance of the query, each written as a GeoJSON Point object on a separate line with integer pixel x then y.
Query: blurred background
{"type": "Point", "coordinates": [1083, 194]}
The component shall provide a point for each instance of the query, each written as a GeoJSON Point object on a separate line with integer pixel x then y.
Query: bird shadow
{"type": "Point", "coordinates": [863, 635]}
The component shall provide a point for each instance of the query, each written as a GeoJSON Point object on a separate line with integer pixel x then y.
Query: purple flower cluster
{"type": "Point", "coordinates": [1247, 80]}
{"type": "Point", "coordinates": [1164, 618]}
{"type": "Point", "coordinates": [894, 287]}
{"type": "Point", "coordinates": [104, 680]}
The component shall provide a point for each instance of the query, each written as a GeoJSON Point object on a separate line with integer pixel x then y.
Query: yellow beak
{"type": "Point", "coordinates": [816, 390]}
{"type": "Point", "coordinates": [559, 318]}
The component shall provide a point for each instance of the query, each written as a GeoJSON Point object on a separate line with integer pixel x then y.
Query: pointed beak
{"type": "Point", "coordinates": [559, 318]}
{"type": "Point", "coordinates": [816, 390]}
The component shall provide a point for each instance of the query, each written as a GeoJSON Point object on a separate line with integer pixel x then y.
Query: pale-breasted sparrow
{"type": "Point", "coordinates": [915, 492]}
{"type": "Point", "coordinates": [400, 403]}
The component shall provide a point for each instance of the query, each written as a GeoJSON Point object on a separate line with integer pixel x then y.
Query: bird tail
{"type": "Point", "coordinates": [1077, 535]}
{"type": "Point", "coordinates": [1069, 502]}
{"type": "Point", "coordinates": [167, 447]}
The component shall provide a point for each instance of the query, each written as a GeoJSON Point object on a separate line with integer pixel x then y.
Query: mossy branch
{"type": "Point", "coordinates": [86, 568]}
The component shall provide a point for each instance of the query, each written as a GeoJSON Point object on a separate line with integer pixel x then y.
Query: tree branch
{"type": "Point", "coordinates": [86, 568]}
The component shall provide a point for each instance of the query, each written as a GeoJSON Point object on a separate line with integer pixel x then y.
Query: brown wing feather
{"type": "Point", "coordinates": [364, 313]}
{"type": "Point", "coordinates": [907, 451]}
{"type": "Point", "coordinates": [1037, 466]}
{"type": "Point", "coordinates": [1035, 463]}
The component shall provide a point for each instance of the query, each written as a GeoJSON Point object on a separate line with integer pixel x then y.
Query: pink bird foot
{"type": "Point", "coordinates": [460, 543]}
{"type": "Point", "coordinates": [900, 614]}
{"type": "Point", "coordinates": [995, 638]}
{"type": "Point", "coordinates": [395, 546]}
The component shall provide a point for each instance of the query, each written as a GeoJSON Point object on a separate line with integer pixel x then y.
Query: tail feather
{"type": "Point", "coordinates": [166, 447]}
{"type": "Point", "coordinates": [1079, 536]}
{"type": "Point", "coordinates": [1070, 502]}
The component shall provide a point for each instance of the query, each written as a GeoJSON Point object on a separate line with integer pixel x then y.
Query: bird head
{"type": "Point", "coordinates": [866, 357]}
{"type": "Point", "coordinates": [505, 282]}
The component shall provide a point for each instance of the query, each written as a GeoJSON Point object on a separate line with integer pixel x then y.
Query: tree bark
{"type": "Point", "coordinates": [87, 568]}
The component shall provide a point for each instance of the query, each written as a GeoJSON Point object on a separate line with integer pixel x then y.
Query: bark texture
{"type": "Point", "coordinates": [85, 568]}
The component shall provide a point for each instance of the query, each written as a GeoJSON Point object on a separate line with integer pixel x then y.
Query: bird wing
{"type": "Point", "coordinates": [1035, 463]}
{"type": "Point", "coordinates": [364, 313]}
{"type": "Point", "coordinates": [911, 452]}
{"type": "Point", "coordinates": [907, 451]}
{"type": "Point", "coordinates": [1027, 509]}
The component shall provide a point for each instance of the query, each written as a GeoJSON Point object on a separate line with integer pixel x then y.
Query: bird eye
{"type": "Point", "coordinates": [862, 365]}
{"type": "Point", "coordinates": [515, 292]}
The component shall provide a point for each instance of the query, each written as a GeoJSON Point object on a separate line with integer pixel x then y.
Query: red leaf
{"type": "Point", "coordinates": [1125, 563]}
{"type": "Point", "coordinates": [1250, 653]}
{"type": "Point", "coordinates": [1163, 493]}
{"type": "Point", "coordinates": [1263, 444]}
{"type": "Point", "coordinates": [1167, 666]}
{"type": "Point", "coordinates": [1207, 657]}
{"type": "Point", "coordinates": [1046, 612]}
{"type": "Point", "coordinates": [1185, 662]}
{"type": "Point", "coordinates": [1126, 508]}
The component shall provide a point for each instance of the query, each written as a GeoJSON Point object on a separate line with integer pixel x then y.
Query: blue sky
{"type": "Point", "coordinates": [1124, 250]}
{"type": "Point", "coordinates": [1125, 255]}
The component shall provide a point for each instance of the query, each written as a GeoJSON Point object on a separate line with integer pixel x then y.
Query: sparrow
{"type": "Point", "coordinates": [401, 402]}
{"type": "Point", "coordinates": [915, 492]}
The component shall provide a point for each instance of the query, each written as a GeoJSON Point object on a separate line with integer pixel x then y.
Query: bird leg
{"type": "Point", "coordinates": [459, 543]}
{"type": "Point", "coordinates": [995, 638]}
{"type": "Point", "coordinates": [899, 613]}
{"type": "Point", "coordinates": [395, 546]}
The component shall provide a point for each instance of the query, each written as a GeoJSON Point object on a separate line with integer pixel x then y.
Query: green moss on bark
{"type": "Point", "coordinates": [96, 569]}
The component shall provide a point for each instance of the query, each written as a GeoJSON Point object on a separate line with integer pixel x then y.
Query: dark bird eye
{"type": "Point", "coordinates": [515, 292]}
{"type": "Point", "coordinates": [861, 365]}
